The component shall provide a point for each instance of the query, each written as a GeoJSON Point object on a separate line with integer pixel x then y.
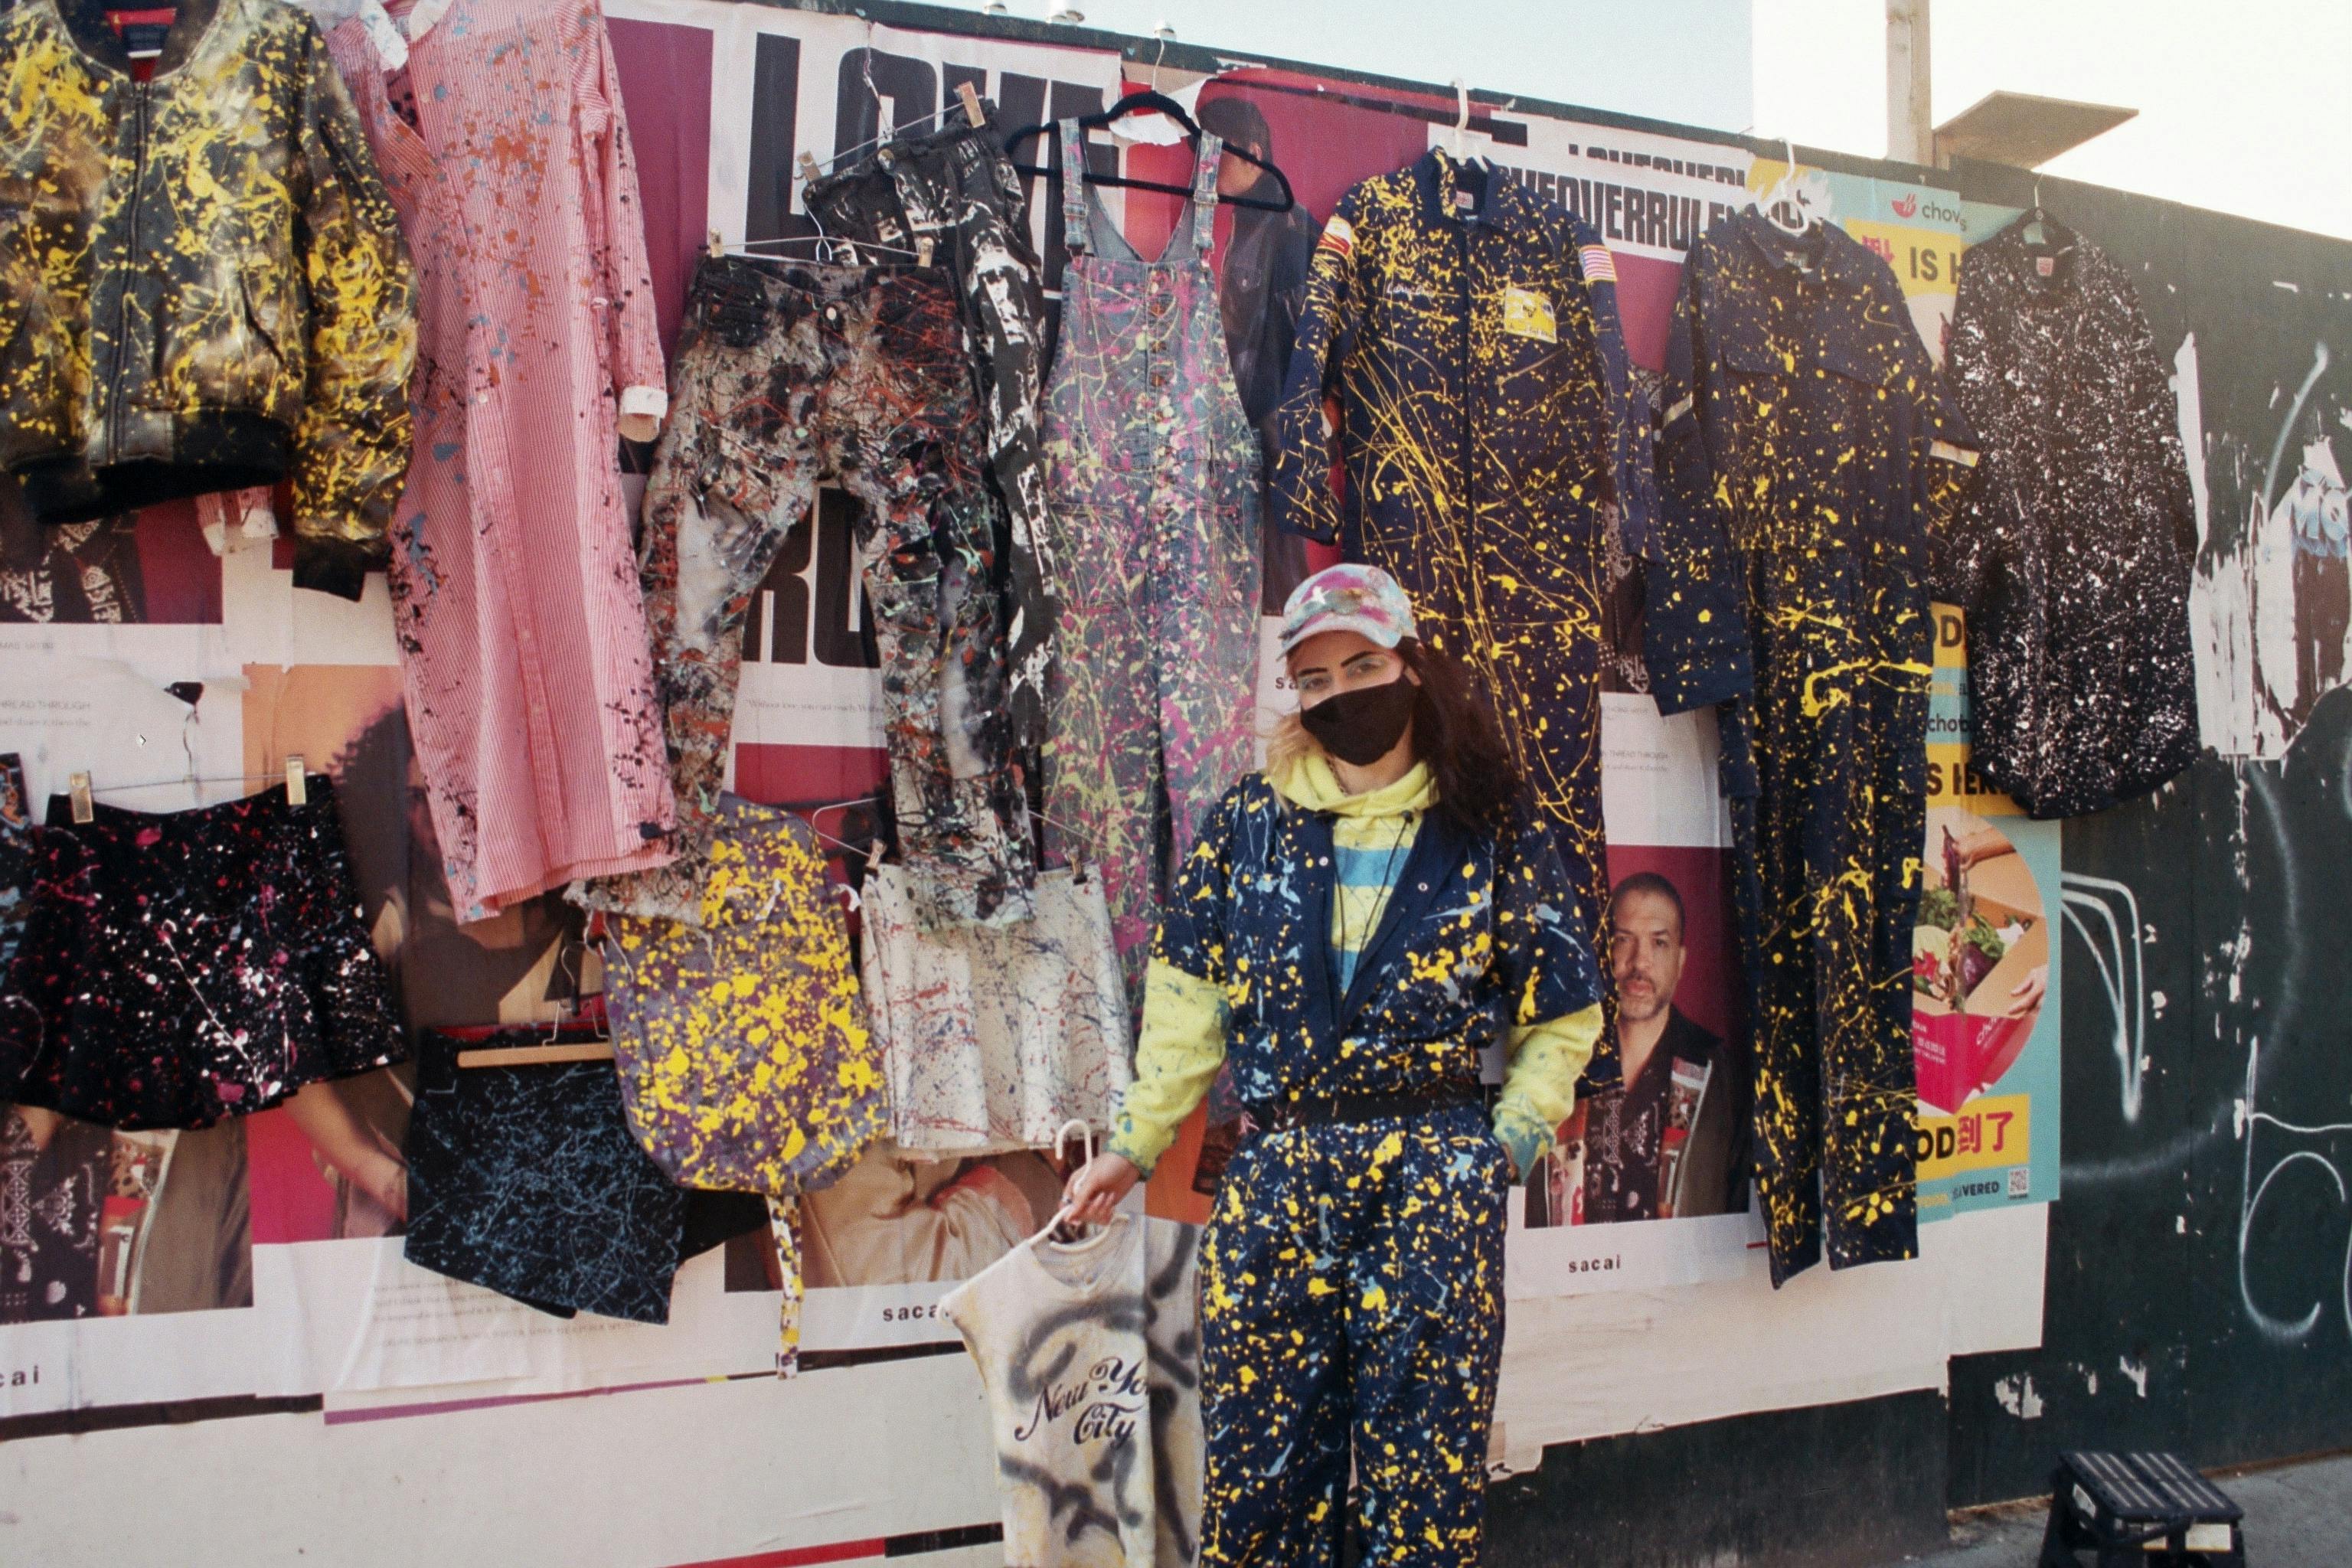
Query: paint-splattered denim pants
{"type": "Point", "coordinates": [955, 190]}
{"type": "Point", "coordinates": [1351, 1305]}
{"type": "Point", "coordinates": [787, 373]}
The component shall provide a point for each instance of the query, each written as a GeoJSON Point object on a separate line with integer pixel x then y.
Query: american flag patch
{"type": "Point", "coordinates": [1598, 267]}
{"type": "Point", "coordinates": [1339, 235]}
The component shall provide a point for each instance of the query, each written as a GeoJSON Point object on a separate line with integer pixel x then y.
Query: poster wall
{"type": "Point", "coordinates": [1986, 957]}
{"type": "Point", "coordinates": [263, 1258]}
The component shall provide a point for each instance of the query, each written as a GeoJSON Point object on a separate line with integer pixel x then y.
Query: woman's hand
{"type": "Point", "coordinates": [2030, 992]}
{"type": "Point", "coordinates": [1100, 1185]}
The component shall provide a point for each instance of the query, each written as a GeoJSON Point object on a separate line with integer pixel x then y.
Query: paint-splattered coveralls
{"type": "Point", "coordinates": [1151, 484]}
{"type": "Point", "coordinates": [1489, 425]}
{"type": "Point", "coordinates": [1353, 1272]}
{"type": "Point", "coordinates": [1807, 449]}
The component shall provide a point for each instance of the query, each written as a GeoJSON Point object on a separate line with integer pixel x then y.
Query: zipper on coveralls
{"type": "Point", "coordinates": [131, 259]}
{"type": "Point", "coordinates": [1469, 377]}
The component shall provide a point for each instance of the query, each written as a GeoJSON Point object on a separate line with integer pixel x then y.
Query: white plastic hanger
{"type": "Point", "coordinates": [2036, 233]}
{"type": "Point", "coordinates": [1062, 1216]}
{"type": "Point", "coordinates": [1457, 140]}
{"type": "Point", "coordinates": [1785, 189]}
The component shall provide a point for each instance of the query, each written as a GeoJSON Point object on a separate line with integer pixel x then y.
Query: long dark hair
{"type": "Point", "coordinates": [1454, 732]}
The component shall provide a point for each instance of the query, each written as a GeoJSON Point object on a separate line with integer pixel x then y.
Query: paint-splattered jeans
{"type": "Point", "coordinates": [788, 373]}
{"type": "Point", "coordinates": [955, 188]}
{"type": "Point", "coordinates": [1351, 1306]}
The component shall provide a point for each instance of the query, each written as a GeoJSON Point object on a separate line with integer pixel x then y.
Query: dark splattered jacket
{"type": "Point", "coordinates": [1482, 381]}
{"type": "Point", "coordinates": [202, 284]}
{"type": "Point", "coordinates": [1788, 426]}
{"type": "Point", "coordinates": [2072, 554]}
{"type": "Point", "coordinates": [1479, 936]}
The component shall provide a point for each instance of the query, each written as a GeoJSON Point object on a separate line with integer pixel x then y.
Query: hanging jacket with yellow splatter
{"type": "Point", "coordinates": [1491, 435]}
{"type": "Point", "coordinates": [1806, 453]}
{"type": "Point", "coordinates": [202, 284]}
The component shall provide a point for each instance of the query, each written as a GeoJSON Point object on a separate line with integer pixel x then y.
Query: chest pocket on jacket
{"type": "Point", "coordinates": [1868, 389]}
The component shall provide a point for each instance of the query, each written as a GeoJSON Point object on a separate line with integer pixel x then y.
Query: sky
{"type": "Point", "coordinates": [2245, 105]}
{"type": "Point", "coordinates": [1685, 60]}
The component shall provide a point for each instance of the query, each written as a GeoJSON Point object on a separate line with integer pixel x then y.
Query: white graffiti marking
{"type": "Point", "coordinates": [2283, 1330]}
{"type": "Point", "coordinates": [2121, 971]}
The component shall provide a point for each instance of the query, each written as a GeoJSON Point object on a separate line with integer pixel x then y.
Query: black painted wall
{"type": "Point", "coordinates": [1835, 1486]}
{"type": "Point", "coordinates": [2200, 1288]}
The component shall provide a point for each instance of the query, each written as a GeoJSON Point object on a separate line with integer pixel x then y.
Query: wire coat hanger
{"type": "Point", "coordinates": [80, 789]}
{"type": "Point", "coordinates": [967, 99]}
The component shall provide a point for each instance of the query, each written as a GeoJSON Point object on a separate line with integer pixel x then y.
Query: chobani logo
{"type": "Point", "coordinates": [1913, 206]}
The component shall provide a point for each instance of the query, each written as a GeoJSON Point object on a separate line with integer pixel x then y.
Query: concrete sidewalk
{"type": "Point", "coordinates": [2298, 1515]}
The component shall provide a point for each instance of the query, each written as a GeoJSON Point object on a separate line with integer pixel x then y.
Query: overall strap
{"type": "Point", "coordinates": [1074, 235]}
{"type": "Point", "coordinates": [1202, 215]}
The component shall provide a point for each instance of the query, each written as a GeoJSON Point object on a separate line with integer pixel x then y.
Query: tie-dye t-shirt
{"type": "Point", "coordinates": [1058, 1332]}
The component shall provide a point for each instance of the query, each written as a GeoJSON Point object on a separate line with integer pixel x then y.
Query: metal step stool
{"type": "Point", "coordinates": [2139, 1510]}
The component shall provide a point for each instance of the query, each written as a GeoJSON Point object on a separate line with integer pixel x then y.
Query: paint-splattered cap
{"type": "Point", "coordinates": [1348, 598]}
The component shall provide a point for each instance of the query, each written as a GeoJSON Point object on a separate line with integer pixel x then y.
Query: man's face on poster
{"type": "Point", "coordinates": [1646, 952]}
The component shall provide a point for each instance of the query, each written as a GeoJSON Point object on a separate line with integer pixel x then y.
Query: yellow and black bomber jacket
{"type": "Point", "coordinates": [203, 285]}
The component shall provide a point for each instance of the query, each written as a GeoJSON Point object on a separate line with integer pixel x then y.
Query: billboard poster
{"type": "Point", "coordinates": [1985, 963]}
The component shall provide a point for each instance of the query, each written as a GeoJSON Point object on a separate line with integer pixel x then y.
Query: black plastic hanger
{"type": "Point", "coordinates": [1138, 102]}
{"type": "Point", "coordinates": [2037, 228]}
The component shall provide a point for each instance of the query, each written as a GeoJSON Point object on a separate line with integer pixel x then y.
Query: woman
{"type": "Point", "coordinates": [1353, 926]}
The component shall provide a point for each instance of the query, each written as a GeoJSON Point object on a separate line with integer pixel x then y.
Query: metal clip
{"type": "Point", "coordinates": [298, 780]}
{"type": "Point", "coordinates": [84, 813]}
{"type": "Point", "coordinates": [971, 98]}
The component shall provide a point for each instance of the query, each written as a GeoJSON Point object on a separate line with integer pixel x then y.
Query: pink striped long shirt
{"type": "Point", "coordinates": [529, 673]}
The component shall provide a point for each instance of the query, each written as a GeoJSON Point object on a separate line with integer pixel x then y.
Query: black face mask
{"type": "Point", "coordinates": [1362, 726]}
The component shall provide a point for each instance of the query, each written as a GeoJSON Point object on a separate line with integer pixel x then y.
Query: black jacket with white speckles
{"type": "Point", "coordinates": [2071, 556]}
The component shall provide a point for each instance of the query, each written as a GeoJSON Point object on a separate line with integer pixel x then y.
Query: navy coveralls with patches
{"type": "Point", "coordinates": [1493, 441]}
{"type": "Point", "coordinates": [1351, 1275]}
{"type": "Point", "coordinates": [1806, 450]}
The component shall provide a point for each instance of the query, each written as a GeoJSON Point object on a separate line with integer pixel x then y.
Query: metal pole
{"type": "Point", "coordinates": [1910, 113]}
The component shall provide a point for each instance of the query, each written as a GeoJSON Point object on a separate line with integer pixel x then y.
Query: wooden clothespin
{"type": "Point", "coordinates": [970, 99]}
{"type": "Point", "coordinates": [923, 250]}
{"type": "Point", "coordinates": [810, 173]}
{"type": "Point", "coordinates": [78, 787]}
{"type": "Point", "coordinates": [718, 246]}
{"type": "Point", "coordinates": [298, 780]}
